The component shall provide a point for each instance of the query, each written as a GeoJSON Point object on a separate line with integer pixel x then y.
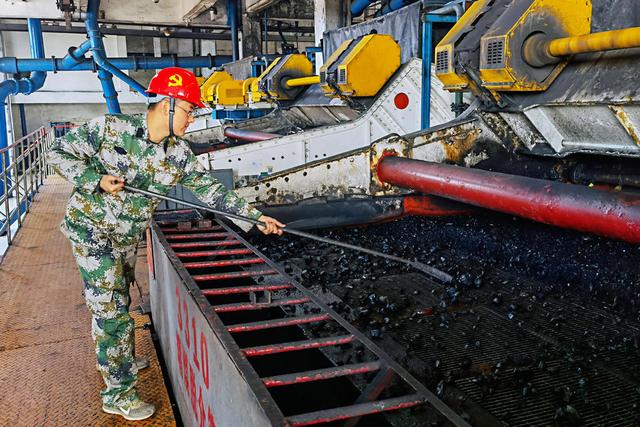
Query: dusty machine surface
{"type": "Point", "coordinates": [361, 93]}
{"type": "Point", "coordinates": [557, 105]}
{"type": "Point", "coordinates": [317, 127]}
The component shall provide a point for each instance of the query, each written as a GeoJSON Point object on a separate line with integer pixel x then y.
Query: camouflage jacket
{"type": "Point", "coordinates": [117, 145]}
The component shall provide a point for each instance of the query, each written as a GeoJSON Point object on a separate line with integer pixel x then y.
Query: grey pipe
{"type": "Point", "coordinates": [453, 6]}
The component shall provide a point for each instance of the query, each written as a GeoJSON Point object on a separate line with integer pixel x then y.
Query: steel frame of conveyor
{"type": "Point", "coordinates": [386, 367]}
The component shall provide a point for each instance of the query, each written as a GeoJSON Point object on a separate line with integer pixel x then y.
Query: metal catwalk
{"type": "Point", "coordinates": [47, 360]}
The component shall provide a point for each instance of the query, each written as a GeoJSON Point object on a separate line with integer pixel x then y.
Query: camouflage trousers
{"type": "Point", "coordinates": [107, 274]}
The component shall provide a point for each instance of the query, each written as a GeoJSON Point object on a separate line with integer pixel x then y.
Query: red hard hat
{"type": "Point", "coordinates": [176, 83]}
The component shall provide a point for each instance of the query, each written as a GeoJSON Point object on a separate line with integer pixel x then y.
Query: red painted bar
{"type": "Point", "coordinates": [223, 263]}
{"type": "Point", "coordinates": [205, 244]}
{"type": "Point", "coordinates": [195, 229]}
{"type": "Point", "coordinates": [198, 236]}
{"type": "Point", "coordinates": [223, 252]}
{"type": "Point", "coordinates": [297, 345]}
{"type": "Point", "coordinates": [607, 213]}
{"type": "Point", "coordinates": [346, 412]}
{"type": "Point", "coordinates": [232, 275]}
{"type": "Point", "coordinates": [172, 212]}
{"type": "Point", "coordinates": [245, 289]}
{"type": "Point", "coordinates": [321, 374]}
{"type": "Point", "coordinates": [278, 323]}
{"type": "Point", "coordinates": [259, 306]}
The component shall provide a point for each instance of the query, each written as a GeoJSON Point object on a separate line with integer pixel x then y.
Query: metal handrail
{"type": "Point", "coordinates": [41, 130]}
{"type": "Point", "coordinates": [23, 170]}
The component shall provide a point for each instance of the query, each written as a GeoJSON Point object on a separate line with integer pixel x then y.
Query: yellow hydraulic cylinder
{"type": "Point", "coordinates": [596, 42]}
{"type": "Point", "coordinates": [303, 81]}
{"type": "Point", "coordinates": [540, 52]}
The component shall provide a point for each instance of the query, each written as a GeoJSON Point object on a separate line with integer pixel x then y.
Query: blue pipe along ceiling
{"type": "Point", "coordinates": [75, 60]}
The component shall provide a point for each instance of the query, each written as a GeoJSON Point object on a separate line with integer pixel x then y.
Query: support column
{"type": "Point", "coordinates": [327, 15]}
{"type": "Point", "coordinates": [7, 121]}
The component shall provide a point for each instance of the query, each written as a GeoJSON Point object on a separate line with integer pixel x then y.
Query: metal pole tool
{"type": "Point", "coordinates": [431, 271]}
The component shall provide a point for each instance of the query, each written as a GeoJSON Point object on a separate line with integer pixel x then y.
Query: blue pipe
{"type": "Point", "coordinates": [397, 4]}
{"type": "Point", "coordinates": [75, 55]}
{"type": "Point", "coordinates": [37, 51]}
{"type": "Point", "coordinates": [26, 86]}
{"type": "Point", "coordinates": [427, 42]}
{"type": "Point", "coordinates": [97, 48]}
{"type": "Point", "coordinates": [394, 5]}
{"type": "Point", "coordinates": [427, 35]}
{"type": "Point", "coordinates": [14, 65]}
{"type": "Point", "coordinates": [358, 6]}
{"type": "Point", "coordinates": [232, 19]}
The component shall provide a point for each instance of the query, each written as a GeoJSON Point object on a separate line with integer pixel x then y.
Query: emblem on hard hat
{"type": "Point", "coordinates": [175, 80]}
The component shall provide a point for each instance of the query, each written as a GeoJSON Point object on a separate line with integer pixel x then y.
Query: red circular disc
{"type": "Point", "coordinates": [401, 100]}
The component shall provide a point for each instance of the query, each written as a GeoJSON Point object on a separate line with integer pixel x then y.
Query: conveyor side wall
{"type": "Point", "coordinates": [208, 385]}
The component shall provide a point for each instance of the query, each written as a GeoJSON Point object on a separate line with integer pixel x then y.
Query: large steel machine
{"type": "Point", "coordinates": [553, 134]}
{"type": "Point", "coordinates": [362, 93]}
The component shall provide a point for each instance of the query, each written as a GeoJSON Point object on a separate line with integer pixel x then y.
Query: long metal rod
{"type": "Point", "coordinates": [431, 271]}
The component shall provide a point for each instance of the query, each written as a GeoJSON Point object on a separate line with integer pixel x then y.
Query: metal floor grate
{"type": "Point", "coordinates": [555, 352]}
{"type": "Point", "coordinates": [272, 318]}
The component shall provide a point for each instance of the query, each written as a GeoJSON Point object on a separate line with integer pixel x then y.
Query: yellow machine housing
{"type": "Point", "coordinates": [502, 65]}
{"type": "Point", "coordinates": [208, 88]}
{"type": "Point", "coordinates": [360, 66]}
{"type": "Point", "coordinates": [250, 91]}
{"type": "Point", "coordinates": [445, 52]}
{"type": "Point", "coordinates": [273, 81]}
{"type": "Point", "coordinates": [229, 92]}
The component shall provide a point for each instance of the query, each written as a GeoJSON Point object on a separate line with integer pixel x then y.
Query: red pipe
{"type": "Point", "coordinates": [609, 214]}
{"type": "Point", "coordinates": [433, 206]}
{"type": "Point", "coordinates": [249, 135]}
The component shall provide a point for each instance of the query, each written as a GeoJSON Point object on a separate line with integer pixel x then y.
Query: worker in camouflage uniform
{"type": "Point", "coordinates": [105, 224]}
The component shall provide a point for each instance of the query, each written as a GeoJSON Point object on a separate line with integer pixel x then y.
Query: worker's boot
{"type": "Point", "coordinates": [134, 411]}
{"type": "Point", "coordinates": [141, 363]}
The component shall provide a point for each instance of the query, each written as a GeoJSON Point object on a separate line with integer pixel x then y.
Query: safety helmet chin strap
{"type": "Point", "coordinates": [172, 110]}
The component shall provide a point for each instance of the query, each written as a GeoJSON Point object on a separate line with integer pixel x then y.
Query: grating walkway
{"type": "Point", "coordinates": [47, 363]}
